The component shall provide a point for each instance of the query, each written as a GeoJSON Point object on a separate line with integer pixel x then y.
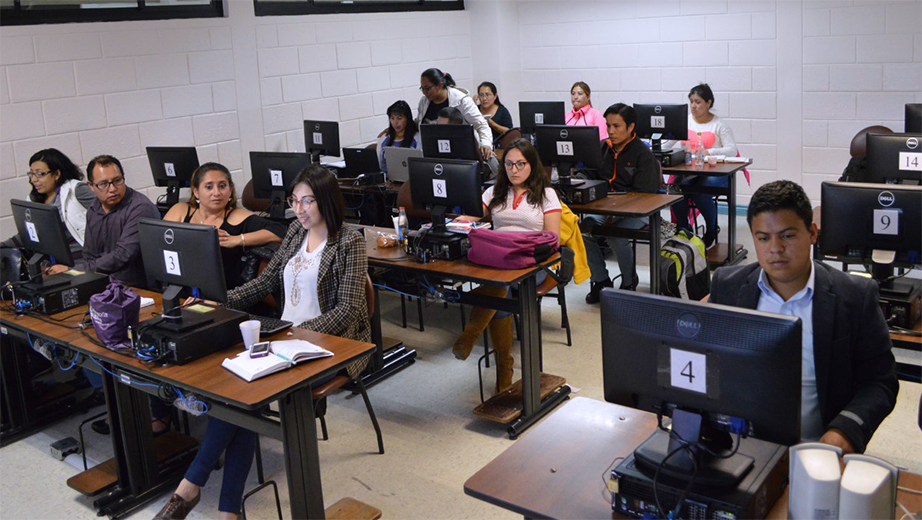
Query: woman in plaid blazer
{"type": "Point", "coordinates": [321, 268]}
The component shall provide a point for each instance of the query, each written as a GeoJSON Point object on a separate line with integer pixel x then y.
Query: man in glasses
{"type": "Point", "coordinates": [112, 245]}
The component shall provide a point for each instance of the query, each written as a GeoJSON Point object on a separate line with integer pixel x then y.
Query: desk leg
{"type": "Point", "coordinates": [654, 252]}
{"type": "Point", "coordinates": [732, 258]}
{"type": "Point", "coordinates": [302, 458]}
{"type": "Point", "coordinates": [532, 407]}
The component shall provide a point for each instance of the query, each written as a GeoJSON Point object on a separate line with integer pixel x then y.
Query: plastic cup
{"type": "Point", "coordinates": [250, 332]}
{"type": "Point", "coordinates": [712, 160]}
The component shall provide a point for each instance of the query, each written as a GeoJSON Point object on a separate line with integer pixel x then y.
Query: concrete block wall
{"type": "Point", "coordinates": [226, 86]}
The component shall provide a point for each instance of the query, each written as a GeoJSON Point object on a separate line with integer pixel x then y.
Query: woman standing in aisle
{"type": "Point", "coordinates": [439, 92]}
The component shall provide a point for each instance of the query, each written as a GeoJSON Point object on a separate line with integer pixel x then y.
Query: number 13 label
{"type": "Point", "coordinates": [688, 370]}
{"type": "Point", "coordinates": [565, 148]}
{"type": "Point", "coordinates": [886, 222]}
{"type": "Point", "coordinates": [171, 261]}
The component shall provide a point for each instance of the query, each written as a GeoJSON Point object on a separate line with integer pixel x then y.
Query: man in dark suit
{"type": "Point", "coordinates": [849, 382]}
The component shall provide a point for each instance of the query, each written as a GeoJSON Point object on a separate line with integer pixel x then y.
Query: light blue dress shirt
{"type": "Point", "coordinates": [801, 306]}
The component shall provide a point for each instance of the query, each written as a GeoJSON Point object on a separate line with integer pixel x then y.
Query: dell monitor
{"type": "Point", "coordinates": [894, 158]}
{"type": "Point", "coordinates": [658, 122]}
{"type": "Point", "coordinates": [876, 224]}
{"type": "Point", "coordinates": [273, 174]}
{"type": "Point", "coordinates": [42, 232]}
{"type": "Point", "coordinates": [912, 123]}
{"type": "Point", "coordinates": [321, 138]}
{"type": "Point", "coordinates": [534, 113]}
{"type": "Point", "coordinates": [714, 369]}
{"type": "Point", "coordinates": [449, 142]}
{"type": "Point", "coordinates": [438, 184]}
{"type": "Point", "coordinates": [566, 146]}
{"type": "Point", "coordinates": [172, 167]}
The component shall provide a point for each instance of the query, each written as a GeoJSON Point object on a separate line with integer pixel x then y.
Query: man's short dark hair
{"type": "Point", "coordinates": [453, 115]}
{"type": "Point", "coordinates": [779, 195]}
{"type": "Point", "coordinates": [102, 160]}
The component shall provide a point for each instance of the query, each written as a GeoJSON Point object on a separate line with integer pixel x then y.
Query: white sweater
{"type": "Point", "coordinates": [719, 142]}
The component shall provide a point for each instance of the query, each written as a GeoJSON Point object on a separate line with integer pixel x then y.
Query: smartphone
{"type": "Point", "coordinates": [259, 350]}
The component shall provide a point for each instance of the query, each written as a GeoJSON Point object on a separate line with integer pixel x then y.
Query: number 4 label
{"type": "Point", "coordinates": [688, 370]}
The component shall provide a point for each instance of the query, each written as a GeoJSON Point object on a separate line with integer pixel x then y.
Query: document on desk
{"type": "Point", "coordinates": [283, 354]}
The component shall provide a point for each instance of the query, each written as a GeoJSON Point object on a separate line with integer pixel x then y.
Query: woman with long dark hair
{"type": "Point", "coordinates": [401, 131]}
{"type": "Point", "coordinates": [496, 114]}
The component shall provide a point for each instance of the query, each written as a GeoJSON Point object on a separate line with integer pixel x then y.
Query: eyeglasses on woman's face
{"type": "Point", "coordinates": [303, 202]}
{"type": "Point", "coordinates": [33, 175]}
{"type": "Point", "coordinates": [517, 165]}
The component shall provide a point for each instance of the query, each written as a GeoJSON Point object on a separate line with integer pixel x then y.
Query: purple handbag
{"type": "Point", "coordinates": [511, 249]}
{"type": "Point", "coordinates": [112, 312]}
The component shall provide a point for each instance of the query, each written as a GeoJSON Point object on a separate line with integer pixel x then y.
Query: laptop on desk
{"type": "Point", "coordinates": [359, 161]}
{"type": "Point", "coordinates": [398, 169]}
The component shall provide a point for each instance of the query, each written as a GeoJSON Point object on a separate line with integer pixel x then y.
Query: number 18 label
{"type": "Point", "coordinates": [657, 121]}
{"type": "Point", "coordinates": [688, 370]}
{"type": "Point", "coordinates": [886, 222]}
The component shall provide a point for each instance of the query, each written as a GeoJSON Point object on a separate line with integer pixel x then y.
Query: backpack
{"type": "Point", "coordinates": [683, 268]}
{"type": "Point", "coordinates": [511, 249]}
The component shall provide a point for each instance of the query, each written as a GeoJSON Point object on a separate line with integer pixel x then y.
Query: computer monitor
{"type": "Point", "coordinates": [449, 142]}
{"type": "Point", "coordinates": [177, 258]}
{"type": "Point", "coordinates": [273, 173]}
{"type": "Point", "coordinates": [321, 138]}
{"type": "Point", "coordinates": [534, 113]}
{"type": "Point", "coordinates": [658, 122]}
{"type": "Point", "coordinates": [874, 223]}
{"type": "Point", "coordinates": [438, 184]}
{"type": "Point", "coordinates": [567, 146]}
{"type": "Point", "coordinates": [912, 122]}
{"type": "Point", "coordinates": [714, 369]}
{"type": "Point", "coordinates": [42, 232]}
{"type": "Point", "coordinates": [894, 158]}
{"type": "Point", "coordinates": [172, 167]}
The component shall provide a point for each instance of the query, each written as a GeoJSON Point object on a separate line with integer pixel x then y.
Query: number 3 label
{"type": "Point", "coordinates": [171, 261]}
{"type": "Point", "coordinates": [688, 370]}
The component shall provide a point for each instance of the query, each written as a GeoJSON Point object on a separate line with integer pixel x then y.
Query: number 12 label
{"type": "Point", "coordinates": [688, 370]}
{"type": "Point", "coordinates": [886, 222]}
{"type": "Point", "coordinates": [444, 146]}
{"type": "Point", "coordinates": [171, 261]}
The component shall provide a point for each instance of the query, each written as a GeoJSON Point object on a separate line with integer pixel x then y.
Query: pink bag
{"type": "Point", "coordinates": [511, 249]}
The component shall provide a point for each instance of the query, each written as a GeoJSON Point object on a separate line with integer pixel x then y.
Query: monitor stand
{"type": "Point", "coordinates": [177, 319]}
{"type": "Point", "coordinates": [715, 472]}
{"type": "Point", "coordinates": [39, 283]}
{"type": "Point", "coordinates": [172, 193]}
{"type": "Point", "coordinates": [276, 207]}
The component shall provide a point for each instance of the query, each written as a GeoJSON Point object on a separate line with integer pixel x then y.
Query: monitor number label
{"type": "Point", "coordinates": [440, 188]}
{"type": "Point", "coordinates": [886, 222]}
{"type": "Point", "coordinates": [911, 161]}
{"type": "Point", "coordinates": [169, 169]}
{"type": "Point", "coordinates": [565, 148]}
{"type": "Point", "coordinates": [276, 178]}
{"type": "Point", "coordinates": [171, 262]}
{"type": "Point", "coordinates": [33, 233]}
{"type": "Point", "coordinates": [317, 138]}
{"type": "Point", "coordinates": [657, 121]}
{"type": "Point", "coordinates": [688, 370]}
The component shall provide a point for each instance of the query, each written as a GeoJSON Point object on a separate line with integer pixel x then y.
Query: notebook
{"type": "Point", "coordinates": [359, 161]}
{"type": "Point", "coordinates": [397, 166]}
{"type": "Point", "coordinates": [283, 354]}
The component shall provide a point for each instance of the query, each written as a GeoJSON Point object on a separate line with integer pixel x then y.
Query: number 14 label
{"type": "Point", "coordinates": [688, 370]}
{"type": "Point", "coordinates": [911, 161]}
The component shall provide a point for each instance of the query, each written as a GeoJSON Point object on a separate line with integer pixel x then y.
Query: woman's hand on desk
{"type": "Point", "coordinates": [57, 269]}
{"type": "Point", "coordinates": [467, 218]}
{"type": "Point", "coordinates": [192, 301]}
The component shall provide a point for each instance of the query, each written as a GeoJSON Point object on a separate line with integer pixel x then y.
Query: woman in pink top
{"type": "Point", "coordinates": [583, 114]}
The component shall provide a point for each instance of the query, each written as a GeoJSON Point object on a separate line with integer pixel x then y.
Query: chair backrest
{"type": "Point", "coordinates": [369, 295]}
{"type": "Point", "coordinates": [859, 145]}
{"type": "Point", "coordinates": [567, 262]}
{"type": "Point", "coordinates": [405, 200]}
{"type": "Point", "coordinates": [250, 201]}
{"type": "Point", "coordinates": [502, 142]}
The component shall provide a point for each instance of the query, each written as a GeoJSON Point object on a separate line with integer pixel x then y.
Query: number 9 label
{"type": "Point", "coordinates": [886, 222]}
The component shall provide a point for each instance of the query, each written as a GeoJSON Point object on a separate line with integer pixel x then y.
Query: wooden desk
{"type": "Point", "coordinates": [557, 470]}
{"type": "Point", "coordinates": [636, 205]}
{"type": "Point", "coordinates": [719, 254]}
{"type": "Point", "coordinates": [229, 397]}
{"type": "Point", "coordinates": [533, 407]}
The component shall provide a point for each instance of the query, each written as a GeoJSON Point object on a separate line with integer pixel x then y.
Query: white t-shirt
{"type": "Point", "coordinates": [300, 276]}
{"type": "Point", "coordinates": [519, 215]}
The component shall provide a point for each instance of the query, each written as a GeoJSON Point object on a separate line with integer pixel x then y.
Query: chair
{"type": "Point", "coordinates": [250, 201]}
{"type": "Point", "coordinates": [502, 142]}
{"type": "Point", "coordinates": [320, 393]}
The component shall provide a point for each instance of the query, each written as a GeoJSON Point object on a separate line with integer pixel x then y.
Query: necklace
{"type": "Point", "coordinates": [302, 262]}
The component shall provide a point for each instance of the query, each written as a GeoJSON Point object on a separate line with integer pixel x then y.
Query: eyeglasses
{"type": "Point", "coordinates": [104, 185]}
{"type": "Point", "coordinates": [303, 202]}
{"type": "Point", "coordinates": [38, 175]}
{"type": "Point", "coordinates": [486, 94]}
{"type": "Point", "coordinates": [518, 165]}
{"type": "Point", "coordinates": [426, 89]}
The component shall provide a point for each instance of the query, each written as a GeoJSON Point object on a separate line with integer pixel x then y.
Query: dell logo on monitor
{"type": "Point", "coordinates": [437, 169]}
{"type": "Point", "coordinates": [28, 215]}
{"type": "Point", "coordinates": [564, 134]}
{"type": "Point", "coordinates": [885, 198]}
{"type": "Point", "coordinates": [688, 325]}
{"type": "Point", "coordinates": [168, 236]}
{"type": "Point", "coordinates": [912, 143]}
{"type": "Point", "coordinates": [317, 127]}
{"type": "Point", "coordinates": [657, 109]}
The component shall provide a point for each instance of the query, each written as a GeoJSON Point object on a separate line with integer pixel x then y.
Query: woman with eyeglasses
{"type": "Point", "coordinates": [521, 200]}
{"type": "Point", "coordinates": [496, 114]}
{"type": "Point", "coordinates": [439, 92]}
{"type": "Point", "coordinates": [56, 180]}
{"type": "Point", "coordinates": [214, 203]}
{"type": "Point", "coordinates": [321, 267]}
{"type": "Point", "coordinates": [582, 113]}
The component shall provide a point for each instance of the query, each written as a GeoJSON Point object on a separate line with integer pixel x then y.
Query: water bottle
{"type": "Point", "coordinates": [403, 227]}
{"type": "Point", "coordinates": [688, 153]}
{"type": "Point", "coordinates": [699, 153]}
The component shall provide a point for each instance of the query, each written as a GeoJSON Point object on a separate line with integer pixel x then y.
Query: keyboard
{"type": "Point", "coordinates": [269, 326]}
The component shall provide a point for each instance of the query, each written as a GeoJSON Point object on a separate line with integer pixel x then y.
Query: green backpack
{"type": "Point", "coordinates": [683, 268]}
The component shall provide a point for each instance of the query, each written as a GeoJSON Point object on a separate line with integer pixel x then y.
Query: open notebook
{"type": "Point", "coordinates": [282, 355]}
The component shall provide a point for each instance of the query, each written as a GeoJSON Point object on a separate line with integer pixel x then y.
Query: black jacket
{"type": "Point", "coordinates": [855, 370]}
{"type": "Point", "coordinates": [632, 169]}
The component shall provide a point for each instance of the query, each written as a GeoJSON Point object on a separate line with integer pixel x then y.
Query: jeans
{"type": "Point", "coordinates": [704, 203]}
{"type": "Point", "coordinates": [240, 447]}
{"type": "Point", "coordinates": [621, 247]}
